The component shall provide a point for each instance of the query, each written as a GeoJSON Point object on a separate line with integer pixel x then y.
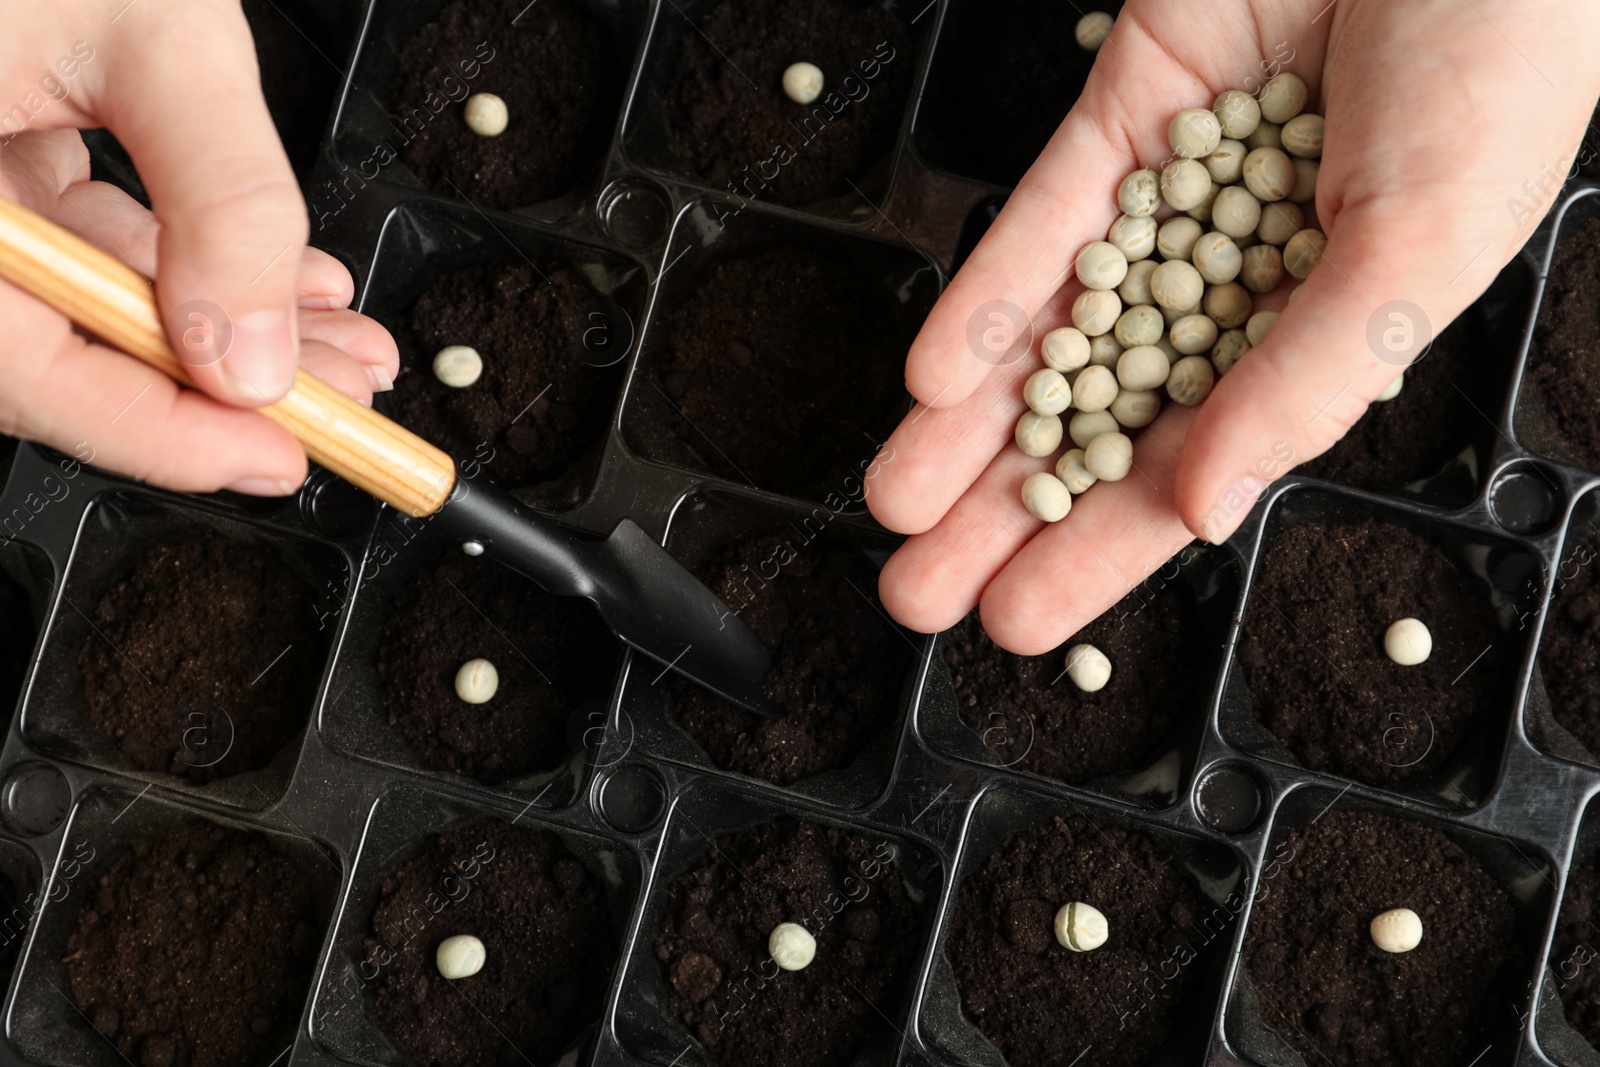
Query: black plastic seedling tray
{"type": "Point", "coordinates": [638, 798]}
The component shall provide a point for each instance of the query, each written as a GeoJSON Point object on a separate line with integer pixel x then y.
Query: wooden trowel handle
{"type": "Point", "coordinates": [117, 304]}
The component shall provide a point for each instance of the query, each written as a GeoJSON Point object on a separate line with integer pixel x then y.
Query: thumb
{"type": "Point", "coordinates": [1353, 327]}
{"type": "Point", "coordinates": [233, 222]}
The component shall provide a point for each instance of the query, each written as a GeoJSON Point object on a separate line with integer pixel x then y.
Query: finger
{"type": "Point", "coordinates": [338, 369]}
{"type": "Point", "coordinates": [38, 166]}
{"type": "Point", "coordinates": [1116, 535]}
{"type": "Point", "coordinates": [360, 338]}
{"type": "Point", "coordinates": [324, 283]}
{"type": "Point", "coordinates": [96, 403]}
{"type": "Point", "coordinates": [233, 223]}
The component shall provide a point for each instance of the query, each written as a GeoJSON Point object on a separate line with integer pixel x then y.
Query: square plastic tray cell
{"type": "Point", "coordinates": [702, 525]}
{"type": "Point", "coordinates": [44, 1024]}
{"type": "Point", "coordinates": [702, 239]}
{"type": "Point", "coordinates": [116, 532]}
{"type": "Point", "coordinates": [344, 1019]}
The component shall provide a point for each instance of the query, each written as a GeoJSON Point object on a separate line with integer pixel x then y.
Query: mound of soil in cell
{"type": "Point", "coordinates": [1573, 953]}
{"type": "Point", "coordinates": [1563, 378]}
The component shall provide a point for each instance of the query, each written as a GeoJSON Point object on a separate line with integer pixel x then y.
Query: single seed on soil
{"type": "Point", "coordinates": [1265, 135]}
{"type": "Point", "coordinates": [1038, 435]}
{"type": "Point", "coordinates": [1140, 193]}
{"type": "Point", "coordinates": [1080, 927]}
{"type": "Point", "coordinates": [1134, 237]}
{"type": "Point", "coordinates": [1141, 367]}
{"type": "Point", "coordinates": [1261, 270]}
{"type": "Point", "coordinates": [1094, 390]}
{"type": "Point", "coordinates": [1177, 286]}
{"type": "Point", "coordinates": [1065, 349]}
{"type": "Point", "coordinates": [1397, 930]}
{"type": "Point", "coordinates": [1302, 136]}
{"type": "Point", "coordinates": [1238, 112]}
{"type": "Point", "coordinates": [1047, 392]}
{"type": "Point", "coordinates": [1408, 642]}
{"type": "Point", "coordinates": [1305, 181]}
{"type": "Point", "coordinates": [1088, 668]}
{"type": "Point", "coordinates": [1109, 456]}
{"type": "Point", "coordinates": [1185, 183]}
{"type": "Point", "coordinates": [1236, 213]}
{"type": "Point", "coordinates": [477, 681]}
{"type": "Point", "coordinates": [1226, 163]}
{"type": "Point", "coordinates": [458, 366]}
{"type": "Point", "coordinates": [1073, 474]}
{"type": "Point", "coordinates": [1046, 497]}
{"type": "Point", "coordinates": [1093, 29]}
{"type": "Point", "coordinates": [1269, 173]}
{"type": "Point", "coordinates": [1140, 325]}
{"type": "Point", "coordinates": [1229, 349]}
{"type": "Point", "coordinates": [1280, 221]}
{"type": "Point", "coordinates": [1104, 351]}
{"type": "Point", "coordinates": [1217, 258]}
{"type": "Point", "coordinates": [1135, 409]}
{"type": "Point", "coordinates": [1085, 426]}
{"type": "Point", "coordinates": [1228, 305]}
{"type": "Point", "coordinates": [1095, 312]}
{"type": "Point", "coordinates": [458, 957]}
{"type": "Point", "coordinates": [1194, 133]}
{"type": "Point", "coordinates": [802, 82]}
{"type": "Point", "coordinates": [1201, 212]}
{"type": "Point", "coordinates": [791, 946]}
{"type": "Point", "coordinates": [1135, 288]}
{"type": "Point", "coordinates": [1176, 238]}
{"type": "Point", "coordinates": [1303, 252]}
{"type": "Point", "coordinates": [1391, 390]}
{"type": "Point", "coordinates": [1102, 266]}
{"type": "Point", "coordinates": [1260, 325]}
{"type": "Point", "coordinates": [1191, 380]}
{"type": "Point", "coordinates": [486, 115]}
{"type": "Point", "coordinates": [1283, 98]}
{"type": "Point", "coordinates": [1192, 335]}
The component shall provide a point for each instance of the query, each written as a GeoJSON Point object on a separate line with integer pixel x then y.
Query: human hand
{"type": "Point", "coordinates": [176, 81]}
{"type": "Point", "coordinates": [1437, 114]}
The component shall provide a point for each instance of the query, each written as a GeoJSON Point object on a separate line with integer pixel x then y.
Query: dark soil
{"type": "Point", "coordinates": [555, 66]}
{"type": "Point", "coordinates": [786, 369]}
{"type": "Point", "coordinates": [539, 407]}
{"type": "Point", "coordinates": [552, 653]}
{"type": "Point", "coordinates": [195, 949]}
{"type": "Point", "coordinates": [1573, 957]}
{"type": "Point", "coordinates": [1337, 998]}
{"type": "Point", "coordinates": [1005, 76]}
{"type": "Point", "coordinates": [547, 938]}
{"type": "Point", "coordinates": [17, 637]}
{"type": "Point", "coordinates": [205, 660]}
{"type": "Point", "coordinates": [1569, 650]}
{"type": "Point", "coordinates": [1312, 651]}
{"type": "Point", "coordinates": [1563, 376]}
{"type": "Point", "coordinates": [723, 984]}
{"type": "Point", "coordinates": [1032, 716]}
{"type": "Point", "coordinates": [300, 85]}
{"type": "Point", "coordinates": [1042, 1004]}
{"type": "Point", "coordinates": [838, 663]}
{"type": "Point", "coordinates": [1449, 396]}
{"type": "Point", "coordinates": [733, 122]}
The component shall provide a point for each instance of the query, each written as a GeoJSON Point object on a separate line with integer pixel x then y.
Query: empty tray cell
{"type": "Point", "coordinates": [299, 46]}
{"type": "Point", "coordinates": [171, 940]}
{"type": "Point", "coordinates": [1434, 441]}
{"type": "Point", "coordinates": [1315, 987]}
{"type": "Point", "coordinates": [19, 630]}
{"type": "Point", "coordinates": [186, 647]}
{"type": "Point", "coordinates": [1003, 77]}
{"type": "Point", "coordinates": [729, 877]}
{"type": "Point", "coordinates": [713, 105]}
{"type": "Point", "coordinates": [1163, 642]}
{"type": "Point", "coordinates": [424, 612]}
{"type": "Point", "coordinates": [546, 904]}
{"type": "Point", "coordinates": [1556, 413]}
{"type": "Point", "coordinates": [1330, 580]}
{"type": "Point", "coordinates": [1004, 990]}
{"type": "Point", "coordinates": [547, 333]}
{"type": "Point", "coordinates": [20, 901]}
{"type": "Point", "coordinates": [776, 353]}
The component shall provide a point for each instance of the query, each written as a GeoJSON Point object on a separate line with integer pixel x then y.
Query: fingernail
{"type": "Point", "coordinates": [1229, 512]}
{"type": "Point", "coordinates": [260, 363]}
{"type": "Point", "coordinates": [321, 303]}
{"type": "Point", "coordinates": [262, 486]}
{"type": "Point", "coordinates": [379, 379]}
